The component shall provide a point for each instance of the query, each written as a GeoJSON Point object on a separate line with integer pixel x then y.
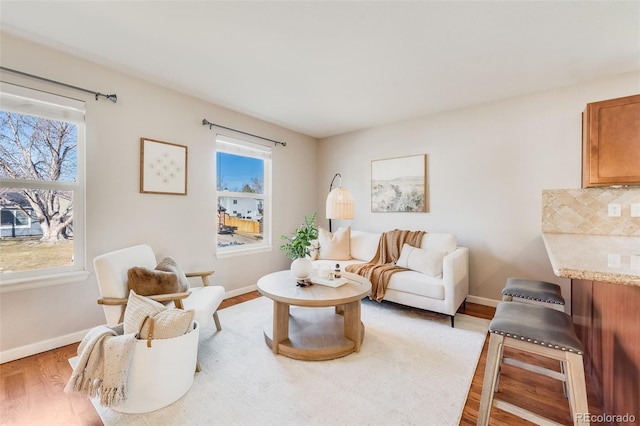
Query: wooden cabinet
{"type": "Point", "coordinates": [606, 317]}
{"type": "Point", "coordinates": [611, 142]}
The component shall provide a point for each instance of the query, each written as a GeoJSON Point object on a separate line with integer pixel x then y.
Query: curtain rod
{"type": "Point", "coordinates": [206, 122]}
{"type": "Point", "coordinates": [113, 98]}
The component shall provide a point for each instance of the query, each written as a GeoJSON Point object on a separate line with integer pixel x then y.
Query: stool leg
{"type": "Point", "coordinates": [494, 359]}
{"type": "Point", "coordinates": [499, 372]}
{"type": "Point", "coordinates": [577, 388]}
{"type": "Point", "coordinates": [563, 370]}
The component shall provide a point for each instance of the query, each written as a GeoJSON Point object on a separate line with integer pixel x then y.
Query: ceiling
{"type": "Point", "coordinates": [325, 68]}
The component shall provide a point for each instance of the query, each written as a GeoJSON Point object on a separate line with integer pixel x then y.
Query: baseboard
{"type": "Point", "coordinates": [482, 301]}
{"type": "Point", "coordinates": [42, 346]}
{"type": "Point", "coordinates": [240, 291]}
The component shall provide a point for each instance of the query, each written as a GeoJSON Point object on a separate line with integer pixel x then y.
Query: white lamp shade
{"type": "Point", "coordinates": [339, 204]}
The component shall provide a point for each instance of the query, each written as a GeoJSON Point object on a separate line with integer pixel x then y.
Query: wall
{"type": "Point", "coordinates": [487, 167]}
{"type": "Point", "coordinates": [118, 215]}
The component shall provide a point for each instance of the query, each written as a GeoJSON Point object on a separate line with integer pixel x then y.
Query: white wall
{"type": "Point", "coordinates": [487, 167]}
{"type": "Point", "coordinates": [118, 215]}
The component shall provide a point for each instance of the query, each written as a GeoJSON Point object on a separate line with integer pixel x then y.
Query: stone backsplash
{"type": "Point", "coordinates": [585, 211]}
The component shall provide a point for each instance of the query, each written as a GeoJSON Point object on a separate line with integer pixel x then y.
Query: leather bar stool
{"type": "Point", "coordinates": [533, 291]}
{"type": "Point", "coordinates": [537, 330]}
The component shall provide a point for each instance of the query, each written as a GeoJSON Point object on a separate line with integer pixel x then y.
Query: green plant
{"type": "Point", "coordinates": [299, 244]}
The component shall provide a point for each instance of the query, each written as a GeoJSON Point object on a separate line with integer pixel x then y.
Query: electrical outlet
{"type": "Point", "coordinates": [635, 209]}
{"type": "Point", "coordinates": [614, 260]}
{"type": "Point", "coordinates": [615, 210]}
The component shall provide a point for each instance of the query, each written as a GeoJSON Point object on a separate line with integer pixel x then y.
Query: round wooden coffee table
{"type": "Point", "coordinates": [324, 322]}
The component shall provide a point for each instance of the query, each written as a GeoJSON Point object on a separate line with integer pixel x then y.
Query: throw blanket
{"type": "Point", "coordinates": [383, 264]}
{"type": "Point", "coordinates": [105, 355]}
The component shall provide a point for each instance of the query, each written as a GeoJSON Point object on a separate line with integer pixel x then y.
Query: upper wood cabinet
{"type": "Point", "coordinates": [611, 142]}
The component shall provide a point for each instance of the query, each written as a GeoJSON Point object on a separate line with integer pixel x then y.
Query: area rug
{"type": "Point", "coordinates": [412, 369]}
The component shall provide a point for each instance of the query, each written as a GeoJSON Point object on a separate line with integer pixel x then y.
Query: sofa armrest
{"type": "Point", "coordinates": [455, 277]}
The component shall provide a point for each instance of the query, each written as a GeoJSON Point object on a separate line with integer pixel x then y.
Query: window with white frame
{"type": "Point", "coordinates": [243, 184]}
{"type": "Point", "coordinates": [41, 185]}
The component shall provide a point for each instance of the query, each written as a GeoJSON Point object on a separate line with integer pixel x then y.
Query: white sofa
{"type": "Point", "coordinates": [443, 294]}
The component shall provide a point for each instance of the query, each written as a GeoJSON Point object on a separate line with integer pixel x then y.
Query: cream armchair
{"type": "Point", "coordinates": [161, 371]}
{"type": "Point", "coordinates": [111, 272]}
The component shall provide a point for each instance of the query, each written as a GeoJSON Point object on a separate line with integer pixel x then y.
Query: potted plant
{"type": "Point", "coordinates": [298, 246]}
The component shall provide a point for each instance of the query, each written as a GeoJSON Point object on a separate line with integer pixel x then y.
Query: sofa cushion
{"type": "Point", "coordinates": [317, 264]}
{"type": "Point", "coordinates": [428, 262]}
{"type": "Point", "coordinates": [444, 241]}
{"type": "Point", "coordinates": [335, 246]}
{"type": "Point", "coordinates": [417, 283]}
{"type": "Point", "coordinates": [364, 245]}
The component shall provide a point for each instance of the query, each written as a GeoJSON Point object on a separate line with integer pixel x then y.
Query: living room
{"type": "Point", "coordinates": [487, 165]}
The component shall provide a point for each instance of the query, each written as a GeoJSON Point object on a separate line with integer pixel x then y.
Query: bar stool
{"type": "Point", "coordinates": [532, 291]}
{"type": "Point", "coordinates": [542, 331]}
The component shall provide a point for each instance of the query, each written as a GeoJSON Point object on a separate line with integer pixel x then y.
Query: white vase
{"type": "Point", "coordinates": [301, 268]}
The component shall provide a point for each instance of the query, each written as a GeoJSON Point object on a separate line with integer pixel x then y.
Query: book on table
{"type": "Point", "coordinates": [336, 282]}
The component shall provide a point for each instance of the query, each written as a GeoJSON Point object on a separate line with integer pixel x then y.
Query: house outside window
{"type": "Point", "coordinates": [243, 184]}
{"type": "Point", "coordinates": [16, 222]}
{"type": "Point", "coordinates": [41, 188]}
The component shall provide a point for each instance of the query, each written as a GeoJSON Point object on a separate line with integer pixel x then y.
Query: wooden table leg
{"type": "Point", "coordinates": [352, 324]}
{"type": "Point", "coordinates": [280, 324]}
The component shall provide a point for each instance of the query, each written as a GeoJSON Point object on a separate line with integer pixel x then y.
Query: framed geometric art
{"type": "Point", "coordinates": [399, 184]}
{"type": "Point", "coordinates": [163, 167]}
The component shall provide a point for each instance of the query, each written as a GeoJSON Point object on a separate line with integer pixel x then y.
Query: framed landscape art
{"type": "Point", "coordinates": [399, 184]}
{"type": "Point", "coordinates": [163, 167]}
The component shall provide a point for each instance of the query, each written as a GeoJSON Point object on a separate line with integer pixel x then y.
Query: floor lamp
{"type": "Point", "coordinates": [339, 202]}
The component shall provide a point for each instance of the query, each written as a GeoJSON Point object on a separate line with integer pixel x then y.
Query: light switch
{"type": "Point", "coordinates": [615, 210]}
{"type": "Point", "coordinates": [635, 209]}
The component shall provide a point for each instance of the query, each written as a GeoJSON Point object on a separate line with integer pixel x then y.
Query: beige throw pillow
{"type": "Point", "coordinates": [168, 323]}
{"type": "Point", "coordinates": [138, 307]}
{"type": "Point", "coordinates": [335, 246]}
{"type": "Point", "coordinates": [428, 262]}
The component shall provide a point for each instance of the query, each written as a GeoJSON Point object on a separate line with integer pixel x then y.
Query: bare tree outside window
{"type": "Point", "coordinates": [39, 149]}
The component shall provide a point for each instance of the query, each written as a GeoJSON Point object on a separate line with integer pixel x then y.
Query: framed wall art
{"type": "Point", "coordinates": [163, 167]}
{"type": "Point", "coordinates": [399, 184]}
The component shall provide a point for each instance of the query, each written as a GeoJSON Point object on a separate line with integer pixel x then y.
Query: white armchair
{"type": "Point", "coordinates": [111, 272]}
{"type": "Point", "coordinates": [162, 374]}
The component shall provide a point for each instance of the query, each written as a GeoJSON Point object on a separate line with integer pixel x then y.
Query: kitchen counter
{"type": "Point", "coordinates": [605, 296]}
{"type": "Point", "coordinates": [612, 259]}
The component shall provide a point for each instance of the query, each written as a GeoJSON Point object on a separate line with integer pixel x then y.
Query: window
{"type": "Point", "coordinates": [41, 188]}
{"type": "Point", "coordinates": [243, 183]}
{"type": "Point", "coordinates": [12, 219]}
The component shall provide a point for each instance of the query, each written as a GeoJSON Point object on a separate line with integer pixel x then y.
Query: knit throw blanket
{"type": "Point", "coordinates": [104, 357]}
{"type": "Point", "coordinates": [383, 264]}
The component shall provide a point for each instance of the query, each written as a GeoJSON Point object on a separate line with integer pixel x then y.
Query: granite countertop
{"type": "Point", "coordinates": [613, 259]}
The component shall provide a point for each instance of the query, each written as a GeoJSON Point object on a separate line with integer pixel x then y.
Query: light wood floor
{"type": "Point", "coordinates": [31, 388]}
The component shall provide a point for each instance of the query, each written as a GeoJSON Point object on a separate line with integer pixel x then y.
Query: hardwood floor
{"type": "Point", "coordinates": [31, 391]}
